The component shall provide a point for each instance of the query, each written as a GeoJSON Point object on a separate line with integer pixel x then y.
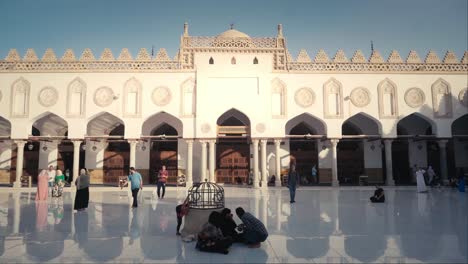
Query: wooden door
{"type": "Point", "coordinates": [400, 163]}
{"type": "Point", "coordinates": [304, 155]}
{"type": "Point", "coordinates": [232, 162]}
{"type": "Point", "coordinates": [350, 159]}
{"type": "Point", "coordinates": [116, 163]}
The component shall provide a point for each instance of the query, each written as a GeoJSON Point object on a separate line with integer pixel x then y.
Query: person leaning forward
{"type": "Point", "coordinates": [253, 230]}
{"type": "Point", "coordinates": [136, 184]}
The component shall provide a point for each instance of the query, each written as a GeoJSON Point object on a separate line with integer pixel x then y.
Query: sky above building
{"type": "Point", "coordinates": [401, 25]}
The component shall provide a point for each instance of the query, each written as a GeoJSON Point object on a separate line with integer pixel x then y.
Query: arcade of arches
{"type": "Point", "coordinates": [234, 156]}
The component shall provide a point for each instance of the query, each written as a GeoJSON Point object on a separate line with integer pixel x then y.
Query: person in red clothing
{"type": "Point", "coordinates": [162, 179]}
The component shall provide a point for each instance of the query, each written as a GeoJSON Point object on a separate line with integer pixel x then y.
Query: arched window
{"type": "Point", "coordinates": [211, 61]}
{"type": "Point", "coordinates": [255, 60]}
{"type": "Point", "coordinates": [233, 60]}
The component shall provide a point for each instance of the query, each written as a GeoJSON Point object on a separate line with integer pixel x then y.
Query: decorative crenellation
{"type": "Point", "coordinates": [69, 55]}
{"type": "Point", "coordinates": [143, 55]}
{"type": "Point", "coordinates": [413, 57]}
{"type": "Point", "coordinates": [107, 55]}
{"type": "Point", "coordinates": [340, 57]}
{"type": "Point", "coordinates": [464, 60]}
{"type": "Point", "coordinates": [162, 55]}
{"type": "Point", "coordinates": [30, 56]}
{"type": "Point", "coordinates": [450, 57]}
{"type": "Point", "coordinates": [87, 55]}
{"type": "Point", "coordinates": [125, 55]}
{"type": "Point", "coordinates": [432, 57]}
{"type": "Point", "coordinates": [289, 56]}
{"type": "Point", "coordinates": [358, 57]}
{"type": "Point", "coordinates": [394, 57]}
{"type": "Point", "coordinates": [49, 56]}
{"type": "Point", "coordinates": [303, 56]}
{"type": "Point", "coordinates": [321, 57]}
{"type": "Point", "coordinates": [376, 57]}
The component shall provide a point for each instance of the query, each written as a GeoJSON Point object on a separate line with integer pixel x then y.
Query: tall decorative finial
{"type": "Point", "coordinates": [372, 46]}
{"type": "Point", "coordinates": [280, 30]}
{"type": "Point", "coordinates": [185, 29]}
{"type": "Point", "coordinates": [231, 26]}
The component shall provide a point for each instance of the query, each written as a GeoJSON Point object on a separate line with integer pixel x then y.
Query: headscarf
{"type": "Point", "coordinates": [59, 172]}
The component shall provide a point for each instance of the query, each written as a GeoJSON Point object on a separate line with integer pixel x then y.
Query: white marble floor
{"type": "Point", "coordinates": [336, 225]}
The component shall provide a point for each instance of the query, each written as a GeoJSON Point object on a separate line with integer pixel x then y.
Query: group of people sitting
{"type": "Point", "coordinates": [221, 231]}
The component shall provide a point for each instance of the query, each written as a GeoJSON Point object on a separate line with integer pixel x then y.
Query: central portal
{"type": "Point", "coordinates": [232, 148]}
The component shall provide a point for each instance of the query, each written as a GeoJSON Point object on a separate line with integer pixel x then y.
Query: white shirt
{"type": "Point", "coordinates": [51, 175]}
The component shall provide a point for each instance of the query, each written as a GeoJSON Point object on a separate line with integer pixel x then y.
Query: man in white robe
{"type": "Point", "coordinates": [420, 181]}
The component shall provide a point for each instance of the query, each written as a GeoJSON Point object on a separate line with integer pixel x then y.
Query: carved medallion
{"type": "Point", "coordinates": [462, 97]}
{"type": "Point", "coordinates": [260, 127]}
{"type": "Point", "coordinates": [103, 96]}
{"type": "Point", "coordinates": [161, 96]}
{"type": "Point", "coordinates": [48, 96]}
{"type": "Point", "coordinates": [205, 128]}
{"type": "Point", "coordinates": [414, 97]}
{"type": "Point", "coordinates": [304, 97]}
{"type": "Point", "coordinates": [360, 97]}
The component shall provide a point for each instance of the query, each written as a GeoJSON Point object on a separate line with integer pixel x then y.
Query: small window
{"type": "Point", "coordinates": [211, 61]}
{"type": "Point", "coordinates": [255, 61]}
{"type": "Point", "coordinates": [233, 60]}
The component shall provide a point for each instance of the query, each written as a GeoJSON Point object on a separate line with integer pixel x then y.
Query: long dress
{"type": "Point", "coordinates": [42, 187]}
{"type": "Point", "coordinates": [82, 192]}
{"type": "Point", "coordinates": [420, 181]}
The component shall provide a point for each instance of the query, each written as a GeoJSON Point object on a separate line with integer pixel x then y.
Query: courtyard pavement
{"type": "Point", "coordinates": [325, 225]}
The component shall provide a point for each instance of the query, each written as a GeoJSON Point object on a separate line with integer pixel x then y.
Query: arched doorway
{"type": "Point", "coordinates": [408, 149]}
{"type": "Point", "coordinates": [162, 131]}
{"type": "Point", "coordinates": [117, 153]}
{"type": "Point", "coordinates": [232, 148]}
{"type": "Point", "coordinates": [164, 152]}
{"type": "Point", "coordinates": [304, 131]}
{"type": "Point", "coordinates": [354, 155]}
{"type": "Point", "coordinates": [457, 158]}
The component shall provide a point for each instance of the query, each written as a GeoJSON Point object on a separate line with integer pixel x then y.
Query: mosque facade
{"type": "Point", "coordinates": [234, 109]}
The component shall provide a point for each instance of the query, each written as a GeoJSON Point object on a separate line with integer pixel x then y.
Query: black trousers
{"type": "Point", "coordinates": [135, 197]}
{"type": "Point", "coordinates": [163, 185]}
{"type": "Point", "coordinates": [179, 218]}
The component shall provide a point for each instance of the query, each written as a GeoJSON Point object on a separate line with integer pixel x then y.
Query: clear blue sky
{"type": "Point", "coordinates": [329, 24]}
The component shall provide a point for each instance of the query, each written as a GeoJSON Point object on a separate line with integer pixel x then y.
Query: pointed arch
{"type": "Point", "coordinates": [255, 60]}
{"type": "Point", "coordinates": [5, 127]}
{"type": "Point", "coordinates": [76, 98]}
{"type": "Point", "coordinates": [233, 116]}
{"type": "Point", "coordinates": [460, 126]}
{"type": "Point", "coordinates": [333, 98]}
{"type": "Point", "coordinates": [441, 99]}
{"type": "Point", "coordinates": [211, 60]}
{"type": "Point", "coordinates": [132, 98]}
{"type": "Point", "coordinates": [103, 124]}
{"type": "Point", "coordinates": [416, 124]}
{"type": "Point", "coordinates": [388, 99]}
{"type": "Point", "coordinates": [314, 124]}
{"type": "Point", "coordinates": [50, 124]}
{"type": "Point", "coordinates": [233, 60]}
{"type": "Point", "coordinates": [366, 124]}
{"type": "Point", "coordinates": [20, 91]}
{"type": "Point", "coordinates": [160, 119]}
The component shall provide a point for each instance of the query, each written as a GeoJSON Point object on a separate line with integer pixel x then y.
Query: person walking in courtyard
{"type": "Point", "coordinates": [420, 180]}
{"type": "Point", "coordinates": [42, 186]}
{"type": "Point", "coordinates": [430, 176]}
{"type": "Point", "coordinates": [162, 179]}
{"type": "Point", "coordinates": [292, 182]}
{"type": "Point", "coordinates": [51, 172]}
{"type": "Point", "coordinates": [253, 230]}
{"type": "Point", "coordinates": [136, 184]}
{"type": "Point", "coordinates": [82, 191]}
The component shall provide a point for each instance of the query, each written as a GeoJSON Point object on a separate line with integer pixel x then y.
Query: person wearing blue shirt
{"type": "Point", "coordinates": [136, 184]}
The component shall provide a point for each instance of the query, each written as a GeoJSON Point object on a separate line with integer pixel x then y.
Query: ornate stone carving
{"type": "Point", "coordinates": [360, 97]}
{"type": "Point", "coordinates": [432, 57]}
{"type": "Point", "coordinates": [162, 55]}
{"type": "Point", "coordinates": [450, 57]}
{"type": "Point", "coordinates": [322, 57]}
{"type": "Point", "coordinates": [48, 96]}
{"type": "Point", "coordinates": [340, 57]}
{"type": "Point", "coordinates": [303, 56]}
{"type": "Point", "coordinates": [289, 56]}
{"type": "Point", "coordinates": [394, 57]}
{"type": "Point", "coordinates": [414, 97]}
{"type": "Point", "coordinates": [12, 56]}
{"type": "Point", "coordinates": [413, 57]}
{"type": "Point", "coordinates": [125, 55]}
{"type": "Point", "coordinates": [68, 55]}
{"type": "Point", "coordinates": [161, 96]}
{"type": "Point", "coordinates": [304, 97]}
{"type": "Point", "coordinates": [87, 55]}
{"type": "Point", "coordinates": [103, 96]}
{"type": "Point", "coordinates": [49, 56]}
{"type": "Point", "coordinates": [107, 55]}
{"type": "Point", "coordinates": [462, 97]}
{"type": "Point", "coordinates": [205, 128]}
{"type": "Point", "coordinates": [359, 57]}
{"type": "Point", "coordinates": [464, 59]}
{"type": "Point", "coordinates": [376, 57]}
{"type": "Point", "coordinates": [143, 55]}
{"type": "Point", "coordinates": [260, 127]}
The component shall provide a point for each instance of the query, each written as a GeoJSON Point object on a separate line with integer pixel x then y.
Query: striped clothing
{"type": "Point", "coordinates": [253, 224]}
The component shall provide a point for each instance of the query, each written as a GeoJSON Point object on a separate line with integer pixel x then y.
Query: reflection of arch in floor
{"type": "Point", "coordinates": [365, 247]}
{"type": "Point", "coordinates": [44, 246]}
{"type": "Point", "coordinates": [308, 248]}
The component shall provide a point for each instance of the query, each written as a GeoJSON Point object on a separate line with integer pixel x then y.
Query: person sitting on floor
{"type": "Point", "coordinates": [211, 239]}
{"type": "Point", "coordinates": [253, 230]}
{"type": "Point", "coordinates": [379, 196]}
{"type": "Point", "coordinates": [228, 226]}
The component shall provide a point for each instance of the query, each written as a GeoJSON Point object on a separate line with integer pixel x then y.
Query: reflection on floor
{"type": "Point", "coordinates": [324, 225]}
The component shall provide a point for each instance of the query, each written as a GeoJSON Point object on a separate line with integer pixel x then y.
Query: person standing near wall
{"type": "Point", "coordinates": [136, 185]}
